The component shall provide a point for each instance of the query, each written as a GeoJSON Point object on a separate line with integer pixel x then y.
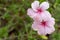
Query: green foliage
{"type": "Point", "coordinates": [3, 32]}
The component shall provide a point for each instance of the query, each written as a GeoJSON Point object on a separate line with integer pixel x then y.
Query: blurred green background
{"type": "Point", "coordinates": [15, 24]}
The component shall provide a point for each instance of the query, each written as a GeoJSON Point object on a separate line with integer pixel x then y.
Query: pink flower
{"type": "Point", "coordinates": [46, 26]}
{"type": "Point", "coordinates": [38, 11]}
{"type": "Point", "coordinates": [43, 21]}
{"type": "Point", "coordinates": [39, 7]}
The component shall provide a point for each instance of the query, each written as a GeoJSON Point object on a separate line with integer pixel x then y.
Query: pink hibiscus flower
{"type": "Point", "coordinates": [38, 11]}
{"type": "Point", "coordinates": [46, 26]}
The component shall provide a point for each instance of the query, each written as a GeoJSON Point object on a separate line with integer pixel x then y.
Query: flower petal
{"type": "Point", "coordinates": [51, 21]}
{"type": "Point", "coordinates": [44, 16]}
{"type": "Point", "coordinates": [30, 12]}
{"type": "Point", "coordinates": [35, 26]}
{"type": "Point", "coordinates": [41, 31]}
{"type": "Point", "coordinates": [47, 14]}
{"type": "Point", "coordinates": [37, 18]}
{"type": "Point", "coordinates": [44, 5]}
{"type": "Point", "coordinates": [35, 5]}
{"type": "Point", "coordinates": [49, 30]}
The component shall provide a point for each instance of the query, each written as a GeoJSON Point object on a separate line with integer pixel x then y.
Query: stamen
{"type": "Point", "coordinates": [39, 10]}
{"type": "Point", "coordinates": [43, 23]}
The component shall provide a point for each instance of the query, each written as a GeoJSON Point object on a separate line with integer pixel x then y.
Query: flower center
{"type": "Point", "coordinates": [39, 10]}
{"type": "Point", "coordinates": [43, 23]}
